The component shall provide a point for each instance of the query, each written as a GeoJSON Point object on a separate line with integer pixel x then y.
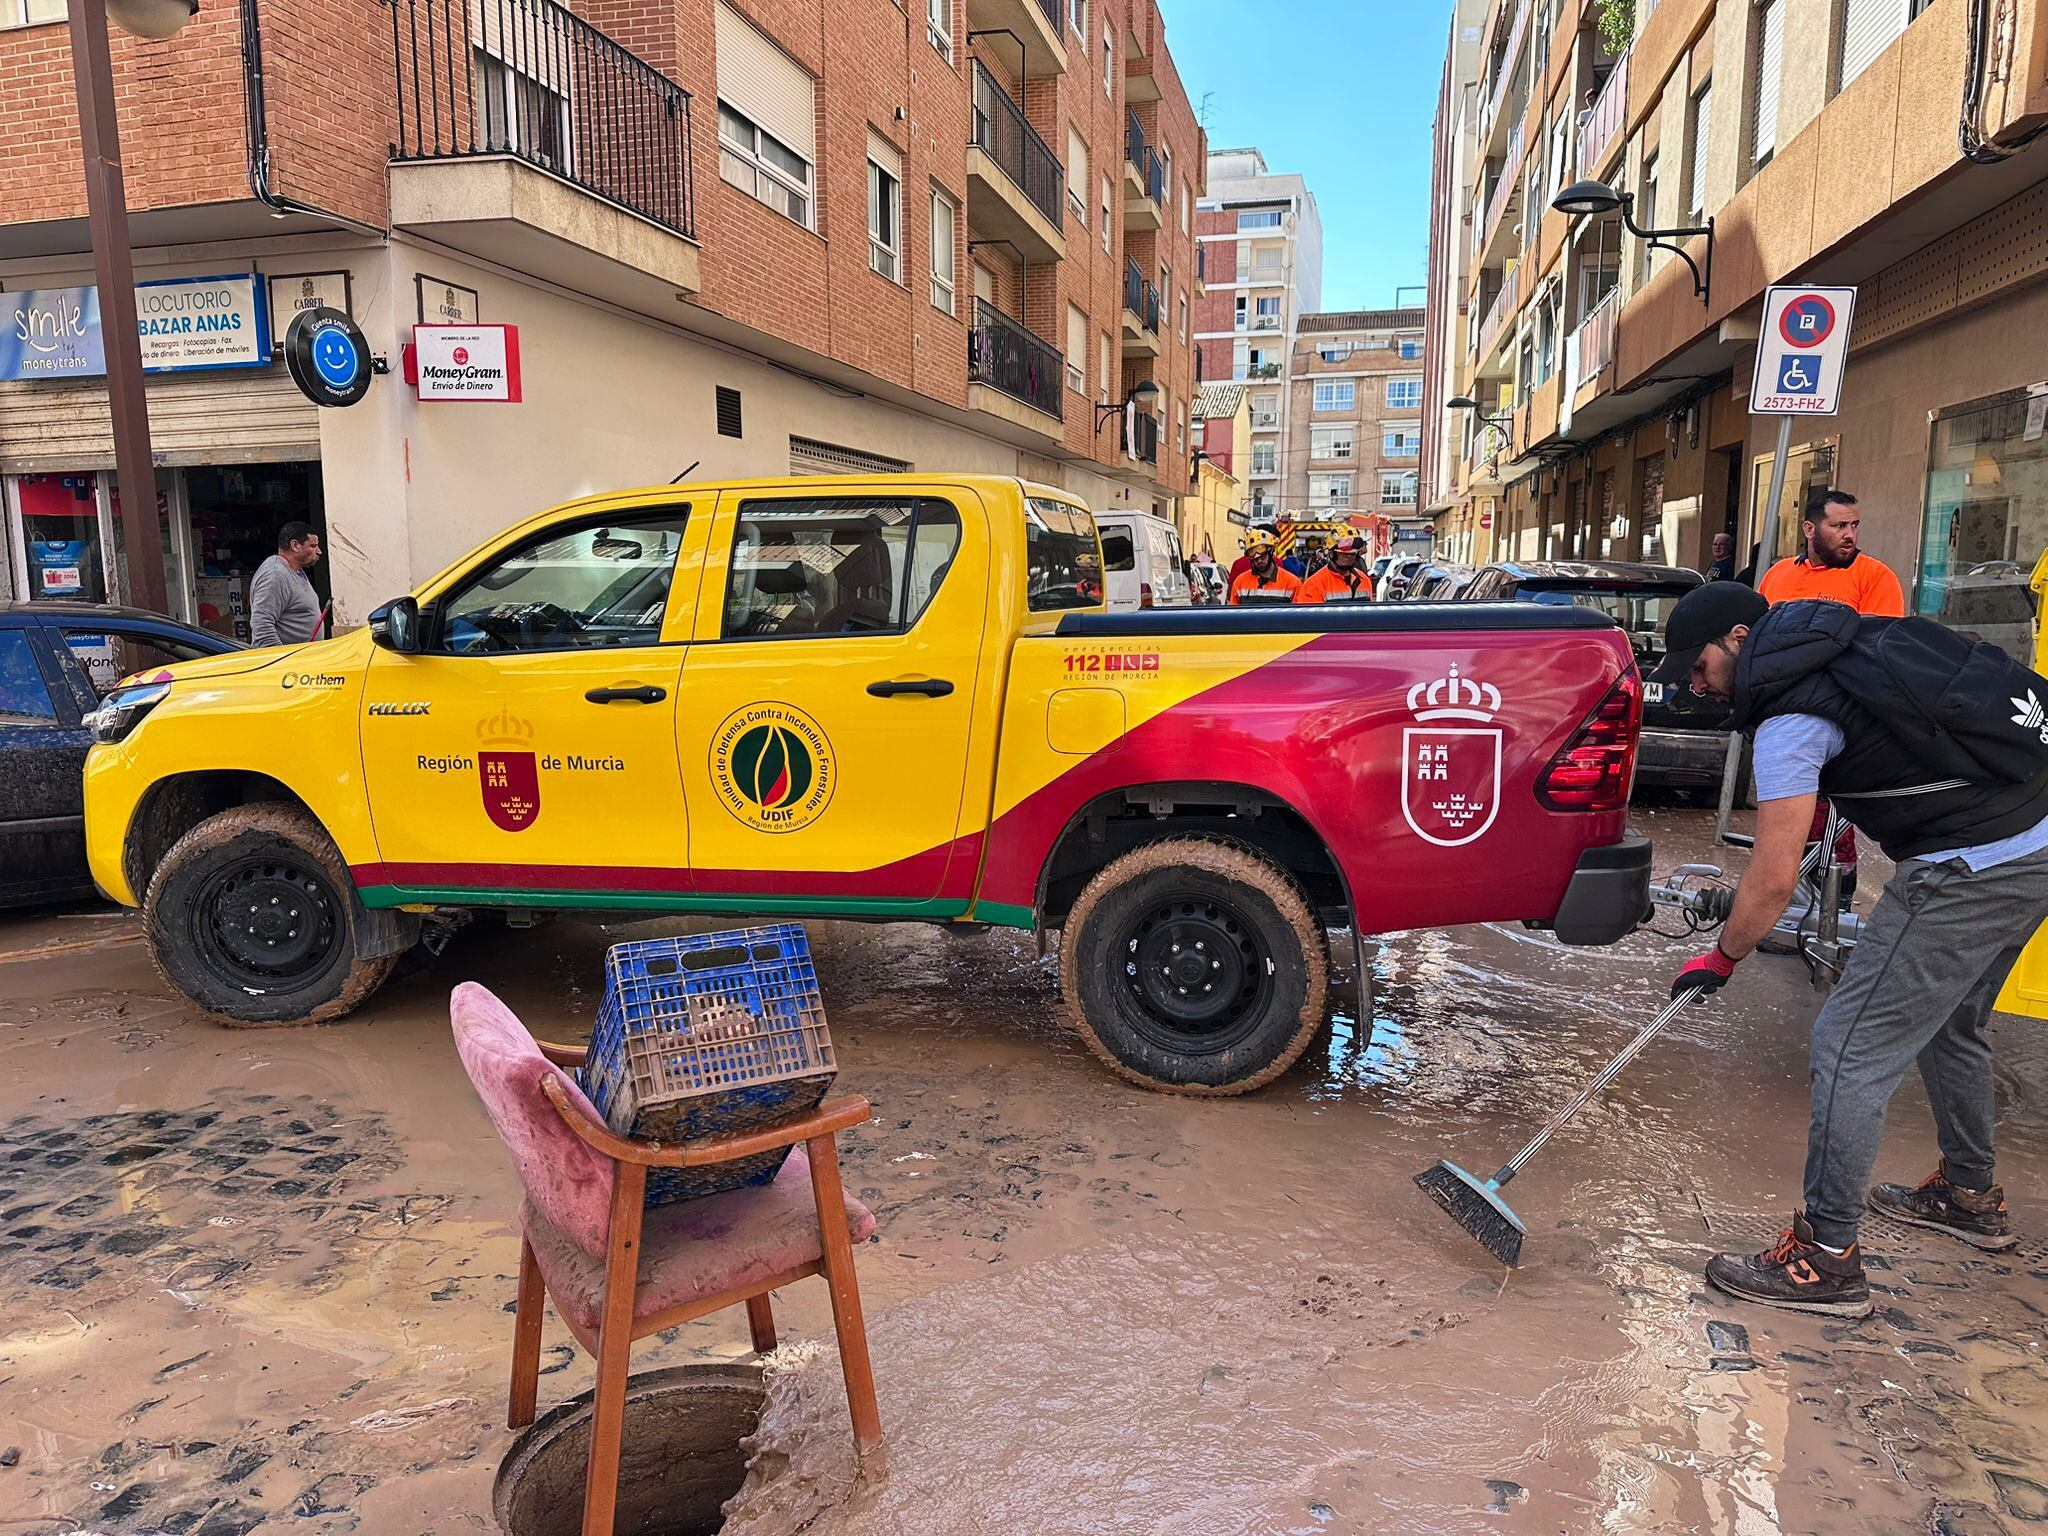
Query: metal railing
{"type": "Point", "coordinates": [1142, 438]}
{"type": "Point", "coordinates": [1601, 126]}
{"type": "Point", "coordinates": [1510, 56]}
{"type": "Point", "coordinates": [1503, 191]}
{"type": "Point", "coordinates": [531, 79]}
{"type": "Point", "coordinates": [1052, 11]}
{"type": "Point", "coordinates": [1001, 132]}
{"type": "Point", "coordinates": [1004, 353]}
{"type": "Point", "coordinates": [1144, 158]}
{"type": "Point", "coordinates": [1265, 421]}
{"type": "Point", "coordinates": [1497, 314]}
{"type": "Point", "coordinates": [1140, 297]}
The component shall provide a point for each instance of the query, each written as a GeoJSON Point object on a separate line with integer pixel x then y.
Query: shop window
{"type": "Point", "coordinates": [1986, 524]}
{"type": "Point", "coordinates": [835, 565]}
{"type": "Point", "coordinates": [592, 586]}
{"type": "Point", "coordinates": [23, 698]}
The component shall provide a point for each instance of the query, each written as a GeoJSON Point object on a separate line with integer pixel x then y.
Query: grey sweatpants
{"type": "Point", "coordinates": [1919, 985]}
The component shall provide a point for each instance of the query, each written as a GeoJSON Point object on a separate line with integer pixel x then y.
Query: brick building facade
{"type": "Point", "coordinates": [1354, 414]}
{"type": "Point", "coordinates": [754, 235]}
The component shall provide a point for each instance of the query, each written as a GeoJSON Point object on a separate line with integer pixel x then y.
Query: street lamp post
{"type": "Point", "coordinates": [106, 204]}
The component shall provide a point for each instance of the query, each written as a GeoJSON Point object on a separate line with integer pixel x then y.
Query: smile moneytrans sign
{"type": "Point", "coordinates": [1802, 351]}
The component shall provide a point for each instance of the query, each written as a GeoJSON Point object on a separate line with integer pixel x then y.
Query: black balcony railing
{"type": "Point", "coordinates": [1141, 441]}
{"type": "Point", "coordinates": [1001, 132]}
{"type": "Point", "coordinates": [1140, 297]}
{"type": "Point", "coordinates": [1003, 352]}
{"type": "Point", "coordinates": [531, 79]}
{"type": "Point", "coordinates": [1145, 158]}
{"type": "Point", "coordinates": [1052, 10]}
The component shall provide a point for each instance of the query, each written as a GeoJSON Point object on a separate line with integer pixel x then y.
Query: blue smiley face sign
{"type": "Point", "coordinates": [328, 357]}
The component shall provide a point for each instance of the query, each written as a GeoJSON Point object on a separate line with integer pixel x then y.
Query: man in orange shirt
{"type": "Point", "coordinates": [1833, 567]}
{"type": "Point", "coordinates": [1264, 573]}
{"type": "Point", "coordinates": [1344, 579]}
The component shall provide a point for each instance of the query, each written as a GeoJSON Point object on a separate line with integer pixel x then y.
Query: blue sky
{"type": "Point", "coordinates": [1343, 93]}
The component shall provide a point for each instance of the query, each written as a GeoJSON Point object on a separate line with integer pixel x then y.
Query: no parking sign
{"type": "Point", "coordinates": [1803, 351]}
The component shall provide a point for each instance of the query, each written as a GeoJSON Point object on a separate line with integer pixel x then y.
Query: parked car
{"type": "Point", "coordinates": [1141, 556]}
{"type": "Point", "coordinates": [1400, 577]}
{"type": "Point", "coordinates": [1440, 583]}
{"type": "Point", "coordinates": [1685, 737]}
{"type": "Point", "coordinates": [1177, 791]}
{"type": "Point", "coordinates": [57, 661]}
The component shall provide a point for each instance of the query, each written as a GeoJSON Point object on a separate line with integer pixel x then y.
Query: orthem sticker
{"type": "Point", "coordinates": [773, 767]}
{"type": "Point", "coordinates": [508, 772]}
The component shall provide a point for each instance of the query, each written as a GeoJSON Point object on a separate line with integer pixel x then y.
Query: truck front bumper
{"type": "Point", "coordinates": [1609, 895]}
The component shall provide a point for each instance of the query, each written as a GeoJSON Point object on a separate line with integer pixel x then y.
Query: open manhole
{"type": "Point", "coordinates": [679, 1463]}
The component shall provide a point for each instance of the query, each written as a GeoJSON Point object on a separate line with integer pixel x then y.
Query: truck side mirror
{"type": "Point", "coordinates": [396, 625]}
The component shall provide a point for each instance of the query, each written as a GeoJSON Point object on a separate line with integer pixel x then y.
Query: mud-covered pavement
{"type": "Point", "coordinates": [260, 1281]}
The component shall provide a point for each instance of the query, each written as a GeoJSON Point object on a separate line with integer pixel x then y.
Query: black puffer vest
{"type": "Point", "coordinates": [1787, 666]}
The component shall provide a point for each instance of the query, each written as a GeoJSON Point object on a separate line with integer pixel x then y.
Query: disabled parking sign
{"type": "Point", "coordinates": [1802, 351]}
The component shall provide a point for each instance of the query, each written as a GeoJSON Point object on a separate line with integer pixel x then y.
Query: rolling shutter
{"type": "Point", "coordinates": [1702, 128]}
{"type": "Point", "coordinates": [1770, 67]}
{"type": "Point", "coordinates": [766, 84]}
{"type": "Point", "coordinates": [1868, 28]}
{"type": "Point", "coordinates": [232, 416]}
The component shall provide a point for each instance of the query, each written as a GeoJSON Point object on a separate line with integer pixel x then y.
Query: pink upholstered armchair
{"type": "Point", "coordinates": [618, 1272]}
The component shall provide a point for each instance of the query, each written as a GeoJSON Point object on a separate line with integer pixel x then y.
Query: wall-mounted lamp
{"type": "Point", "coordinates": [1590, 199]}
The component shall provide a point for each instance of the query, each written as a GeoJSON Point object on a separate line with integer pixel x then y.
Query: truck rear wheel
{"type": "Point", "coordinates": [1195, 966]}
{"type": "Point", "coordinates": [251, 916]}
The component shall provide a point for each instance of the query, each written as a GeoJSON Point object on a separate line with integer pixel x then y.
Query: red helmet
{"type": "Point", "coordinates": [1347, 544]}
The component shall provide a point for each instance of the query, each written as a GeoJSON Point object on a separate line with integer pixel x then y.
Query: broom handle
{"type": "Point", "coordinates": [1612, 1070]}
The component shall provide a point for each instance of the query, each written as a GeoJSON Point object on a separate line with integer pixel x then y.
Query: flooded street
{"type": "Point", "coordinates": [261, 1281]}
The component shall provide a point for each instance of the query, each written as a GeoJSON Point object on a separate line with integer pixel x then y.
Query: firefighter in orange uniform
{"type": "Point", "coordinates": [1344, 580]}
{"type": "Point", "coordinates": [1265, 573]}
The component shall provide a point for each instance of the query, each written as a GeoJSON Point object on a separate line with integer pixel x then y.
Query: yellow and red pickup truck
{"type": "Point", "coordinates": [885, 697]}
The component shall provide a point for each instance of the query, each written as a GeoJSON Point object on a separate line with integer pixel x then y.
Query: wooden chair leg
{"type": "Point", "coordinates": [839, 1278]}
{"type": "Point", "coordinates": [761, 1322]}
{"type": "Point", "coordinates": [614, 1349]}
{"type": "Point", "coordinates": [526, 1339]}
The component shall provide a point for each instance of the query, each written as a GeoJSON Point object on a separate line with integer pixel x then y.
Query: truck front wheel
{"type": "Point", "coordinates": [250, 915]}
{"type": "Point", "coordinates": [1195, 966]}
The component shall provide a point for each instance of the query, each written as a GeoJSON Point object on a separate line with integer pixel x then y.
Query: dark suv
{"type": "Point", "coordinates": [1685, 737]}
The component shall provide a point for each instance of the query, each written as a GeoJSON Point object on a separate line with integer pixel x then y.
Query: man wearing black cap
{"type": "Point", "coordinates": [1842, 704]}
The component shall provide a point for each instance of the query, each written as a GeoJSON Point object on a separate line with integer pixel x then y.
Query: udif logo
{"type": "Point", "coordinates": [773, 767]}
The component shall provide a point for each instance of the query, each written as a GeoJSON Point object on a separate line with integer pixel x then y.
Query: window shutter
{"type": "Point", "coordinates": [1077, 164]}
{"type": "Point", "coordinates": [1868, 28]}
{"type": "Point", "coordinates": [766, 84]}
{"type": "Point", "coordinates": [1770, 67]}
{"type": "Point", "coordinates": [1702, 129]}
{"type": "Point", "coordinates": [1077, 337]}
{"type": "Point", "coordinates": [886, 155]}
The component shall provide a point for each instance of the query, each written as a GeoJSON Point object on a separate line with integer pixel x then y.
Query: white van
{"type": "Point", "coordinates": [1142, 561]}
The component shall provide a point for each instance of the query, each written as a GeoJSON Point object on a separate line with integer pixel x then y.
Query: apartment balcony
{"type": "Point", "coordinates": [1498, 314]}
{"type": "Point", "coordinates": [1012, 373]}
{"type": "Point", "coordinates": [1038, 25]}
{"type": "Point", "coordinates": [1142, 42]}
{"type": "Point", "coordinates": [1016, 189]}
{"type": "Point", "coordinates": [1503, 79]}
{"type": "Point", "coordinates": [1265, 421]}
{"type": "Point", "coordinates": [1264, 471]}
{"type": "Point", "coordinates": [1505, 197]}
{"type": "Point", "coordinates": [1144, 180]}
{"type": "Point", "coordinates": [1600, 132]}
{"type": "Point", "coordinates": [1141, 437]}
{"type": "Point", "coordinates": [1141, 313]}
{"type": "Point", "coordinates": [1590, 348]}
{"type": "Point", "coordinates": [528, 137]}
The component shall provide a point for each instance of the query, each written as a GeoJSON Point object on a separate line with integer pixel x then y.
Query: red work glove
{"type": "Point", "coordinates": [1705, 973]}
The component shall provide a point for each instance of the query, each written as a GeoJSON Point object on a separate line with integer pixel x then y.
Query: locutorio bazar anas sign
{"type": "Point", "coordinates": [185, 324]}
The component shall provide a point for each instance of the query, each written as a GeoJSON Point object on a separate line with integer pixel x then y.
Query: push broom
{"type": "Point", "coordinates": [1476, 1204]}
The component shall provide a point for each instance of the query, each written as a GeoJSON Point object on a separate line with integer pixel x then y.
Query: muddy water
{"type": "Point", "coordinates": [257, 1281]}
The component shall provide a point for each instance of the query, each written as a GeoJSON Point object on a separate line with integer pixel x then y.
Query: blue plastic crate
{"type": "Point", "coordinates": [710, 1034]}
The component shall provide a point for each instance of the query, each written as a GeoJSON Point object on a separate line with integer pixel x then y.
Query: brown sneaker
{"type": "Point", "coordinates": [1797, 1274]}
{"type": "Point", "coordinates": [1978, 1219]}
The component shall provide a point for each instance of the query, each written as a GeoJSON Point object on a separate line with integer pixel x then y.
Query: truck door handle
{"type": "Point", "coordinates": [928, 687]}
{"type": "Point", "coordinates": [646, 693]}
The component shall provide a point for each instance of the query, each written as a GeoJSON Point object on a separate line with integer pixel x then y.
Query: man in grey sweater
{"type": "Point", "coordinates": [283, 607]}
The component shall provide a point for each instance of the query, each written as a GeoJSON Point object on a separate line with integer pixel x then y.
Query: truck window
{"type": "Point", "coordinates": [598, 585]}
{"type": "Point", "coordinates": [1116, 550]}
{"type": "Point", "coordinates": [23, 698]}
{"type": "Point", "coordinates": [1063, 566]}
{"type": "Point", "coordinates": [836, 565]}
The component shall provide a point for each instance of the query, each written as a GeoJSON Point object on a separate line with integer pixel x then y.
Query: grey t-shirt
{"type": "Point", "coordinates": [283, 607]}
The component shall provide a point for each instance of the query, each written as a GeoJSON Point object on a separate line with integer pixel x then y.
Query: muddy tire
{"type": "Point", "coordinates": [1195, 966]}
{"type": "Point", "coordinates": [251, 916]}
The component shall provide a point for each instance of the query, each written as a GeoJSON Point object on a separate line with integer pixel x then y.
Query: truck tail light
{"type": "Point", "coordinates": [1597, 767]}
{"type": "Point", "coordinates": [1144, 594]}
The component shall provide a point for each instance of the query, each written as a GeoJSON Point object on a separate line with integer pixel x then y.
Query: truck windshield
{"type": "Point", "coordinates": [1063, 563]}
{"type": "Point", "coordinates": [1642, 611]}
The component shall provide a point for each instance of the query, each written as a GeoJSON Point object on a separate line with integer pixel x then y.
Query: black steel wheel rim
{"type": "Point", "coordinates": [268, 920]}
{"type": "Point", "coordinates": [1198, 974]}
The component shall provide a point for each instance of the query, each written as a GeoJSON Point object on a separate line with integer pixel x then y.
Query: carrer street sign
{"type": "Point", "coordinates": [1802, 351]}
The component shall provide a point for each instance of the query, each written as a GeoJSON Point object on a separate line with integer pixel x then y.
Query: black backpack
{"type": "Point", "coordinates": [1964, 708]}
